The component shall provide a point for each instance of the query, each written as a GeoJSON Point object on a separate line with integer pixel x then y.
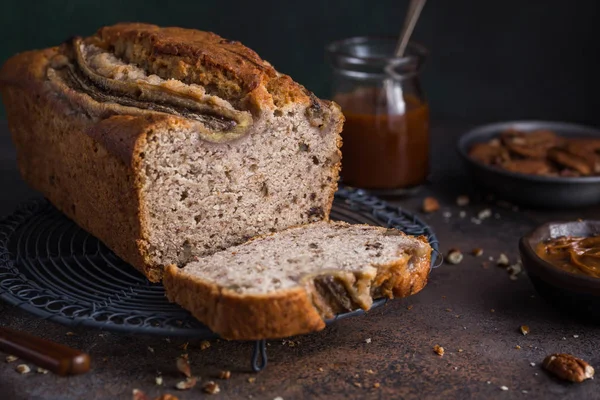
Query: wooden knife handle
{"type": "Point", "coordinates": [59, 359]}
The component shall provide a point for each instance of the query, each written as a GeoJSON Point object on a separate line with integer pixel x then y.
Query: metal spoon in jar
{"type": "Point", "coordinates": [392, 89]}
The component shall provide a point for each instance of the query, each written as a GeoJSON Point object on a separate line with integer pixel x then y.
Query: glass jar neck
{"type": "Point", "coordinates": [372, 58]}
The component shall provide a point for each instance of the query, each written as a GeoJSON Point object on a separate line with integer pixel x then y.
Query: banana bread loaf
{"type": "Point", "coordinates": [287, 283]}
{"type": "Point", "coordinates": [169, 144]}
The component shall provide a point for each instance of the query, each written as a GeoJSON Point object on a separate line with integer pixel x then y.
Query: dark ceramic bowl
{"type": "Point", "coordinates": [531, 190]}
{"type": "Point", "coordinates": [575, 294]}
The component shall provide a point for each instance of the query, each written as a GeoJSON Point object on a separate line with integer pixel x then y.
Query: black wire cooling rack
{"type": "Point", "coordinates": [53, 269]}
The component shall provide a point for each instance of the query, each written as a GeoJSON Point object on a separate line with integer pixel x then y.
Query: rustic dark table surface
{"type": "Point", "coordinates": [472, 311]}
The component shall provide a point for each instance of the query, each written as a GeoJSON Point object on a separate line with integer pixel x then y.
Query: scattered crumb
{"type": "Point", "coordinates": [564, 338]}
{"type": "Point", "coordinates": [460, 350]}
{"type": "Point", "coordinates": [439, 350]}
{"type": "Point", "coordinates": [278, 398]}
{"type": "Point", "coordinates": [456, 368]}
{"type": "Point", "coordinates": [376, 385]}
{"type": "Point", "coordinates": [477, 252]}
{"type": "Point", "coordinates": [211, 388]}
{"type": "Point", "coordinates": [139, 395]}
{"type": "Point", "coordinates": [370, 371]}
{"type": "Point", "coordinates": [489, 382]}
{"type": "Point", "coordinates": [168, 340]}
{"type": "Point", "coordinates": [23, 369]}
{"type": "Point", "coordinates": [524, 330]}
{"type": "Point", "coordinates": [430, 204]}
{"type": "Point", "coordinates": [532, 364]}
{"type": "Point", "coordinates": [454, 256]}
{"type": "Point", "coordinates": [483, 214]}
{"type": "Point", "coordinates": [368, 340]}
{"type": "Point", "coordinates": [187, 384]}
{"type": "Point", "coordinates": [321, 369]}
{"type": "Point", "coordinates": [158, 380]}
{"type": "Point", "coordinates": [251, 379]}
{"type": "Point", "coordinates": [150, 349]}
{"type": "Point", "coordinates": [518, 347]}
{"type": "Point", "coordinates": [70, 333]}
{"type": "Point", "coordinates": [357, 384]}
{"type": "Point", "coordinates": [503, 388]}
{"type": "Point", "coordinates": [476, 221]}
{"type": "Point", "coordinates": [448, 310]}
{"type": "Point", "coordinates": [205, 344]}
{"type": "Point", "coordinates": [224, 374]}
{"type": "Point", "coordinates": [409, 307]}
{"type": "Point", "coordinates": [524, 391]}
{"type": "Point", "coordinates": [575, 336]}
{"type": "Point", "coordinates": [491, 258]}
{"type": "Point", "coordinates": [184, 346]}
{"type": "Point", "coordinates": [492, 310]}
{"type": "Point", "coordinates": [513, 277]}
{"type": "Point", "coordinates": [183, 365]}
{"type": "Point", "coordinates": [503, 260]}
{"type": "Point", "coordinates": [462, 200]}
{"type": "Point", "coordinates": [42, 371]}
{"type": "Point", "coordinates": [462, 214]}
{"type": "Point", "coordinates": [11, 358]}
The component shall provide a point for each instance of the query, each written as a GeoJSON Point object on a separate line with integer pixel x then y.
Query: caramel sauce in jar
{"type": "Point", "coordinates": [383, 150]}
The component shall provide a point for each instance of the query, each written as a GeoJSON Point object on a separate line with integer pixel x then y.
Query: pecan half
{"type": "Point", "coordinates": [568, 367]}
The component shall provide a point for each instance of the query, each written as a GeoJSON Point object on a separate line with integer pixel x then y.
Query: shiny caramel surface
{"type": "Point", "coordinates": [578, 255]}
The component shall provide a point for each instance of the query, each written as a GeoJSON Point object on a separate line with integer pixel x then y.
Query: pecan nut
{"type": "Point", "coordinates": [568, 367]}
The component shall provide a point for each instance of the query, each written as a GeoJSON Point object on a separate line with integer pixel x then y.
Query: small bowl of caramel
{"type": "Point", "coordinates": [562, 259]}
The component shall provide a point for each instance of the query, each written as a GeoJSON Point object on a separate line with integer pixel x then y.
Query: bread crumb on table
{"type": "Point", "coordinates": [430, 204]}
{"type": "Point", "coordinates": [11, 358]}
{"type": "Point", "coordinates": [439, 350]}
{"type": "Point", "coordinates": [368, 340]}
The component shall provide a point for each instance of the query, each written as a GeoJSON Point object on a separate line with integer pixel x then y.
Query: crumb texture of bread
{"type": "Point", "coordinates": [170, 144]}
{"type": "Point", "coordinates": [289, 282]}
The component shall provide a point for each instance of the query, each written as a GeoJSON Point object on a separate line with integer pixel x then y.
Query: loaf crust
{"type": "Point", "coordinates": [96, 148]}
{"type": "Point", "coordinates": [282, 313]}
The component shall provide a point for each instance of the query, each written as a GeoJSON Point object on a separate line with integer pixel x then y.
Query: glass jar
{"type": "Point", "coordinates": [386, 134]}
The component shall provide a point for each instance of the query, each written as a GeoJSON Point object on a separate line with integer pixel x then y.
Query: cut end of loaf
{"type": "Point", "coordinates": [204, 197]}
{"type": "Point", "coordinates": [290, 282]}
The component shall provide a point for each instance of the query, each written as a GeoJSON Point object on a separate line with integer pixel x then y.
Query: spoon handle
{"type": "Point", "coordinates": [412, 16]}
{"type": "Point", "coordinates": [59, 359]}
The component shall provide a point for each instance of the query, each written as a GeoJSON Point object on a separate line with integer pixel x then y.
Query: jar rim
{"type": "Point", "coordinates": [416, 52]}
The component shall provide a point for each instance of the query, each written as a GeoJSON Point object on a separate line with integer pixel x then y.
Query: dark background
{"type": "Point", "coordinates": [490, 60]}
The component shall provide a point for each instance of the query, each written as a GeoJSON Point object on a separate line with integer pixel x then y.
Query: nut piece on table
{"type": "Point", "coordinates": [139, 395]}
{"type": "Point", "coordinates": [211, 388]}
{"type": "Point", "coordinates": [167, 397]}
{"type": "Point", "coordinates": [183, 365]}
{"type": "Point", "coordinates": [568, 367]}
{"type": "Point", "coordinates": [454, 256]}
{"type": "Point", "coordinates": [205, 344]}
{"type": "Point", "coordinates": [23, 369]}
{"type": "Point", "coordinates": [187, 384]}
{"type": "Point", "coordinates": [503, 261]}
{"type": "Point", "coordinates": [439, 350]}
{"type": "Point", "coordinates": [430, 204]}
{"type": "Point", "coordinates": [462, 200]}
{"type": "Point", "coordinates": [477, 252]}
{"type": "Point", "coordinates": [224, 374]}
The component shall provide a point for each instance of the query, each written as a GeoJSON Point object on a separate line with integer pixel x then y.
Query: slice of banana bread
{"type": "Point", "coordinates": [287, 283]}
{"type": "Point", "coordinates": [169, 144]}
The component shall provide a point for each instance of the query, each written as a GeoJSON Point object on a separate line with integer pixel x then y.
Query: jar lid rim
{"type": "Point", "coordinates": [335, 47]}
